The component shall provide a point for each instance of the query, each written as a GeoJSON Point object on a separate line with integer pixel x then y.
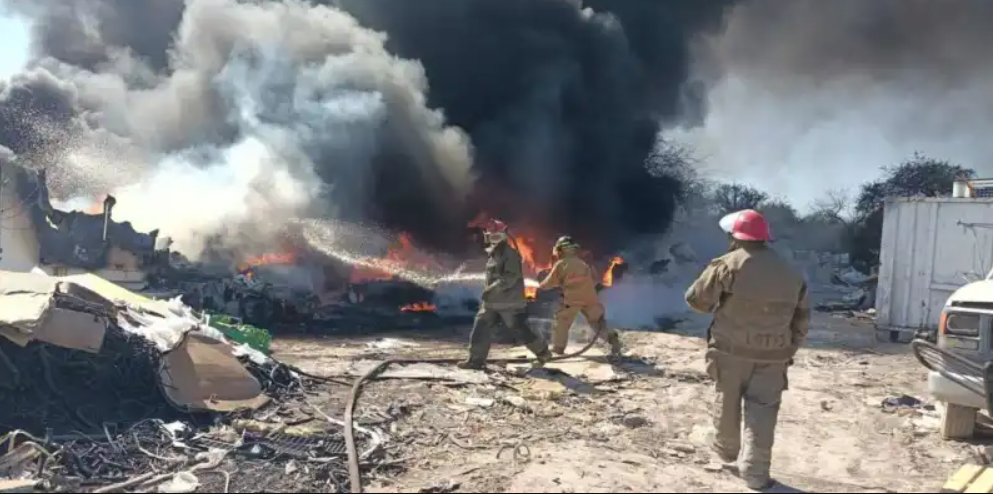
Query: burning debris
{"type": "Point", "coordinates": [614, 272]}
{"type": "Point", "coordinates": [315, 284]}
{"type": "Point", "coordinates": [294, 285]}
{"type": "Point", "coordinates": [69, 241]}
{"type": "Point", "coordinates": [419, 307]}
{"type": "Point", "coordinates": [135, 395]}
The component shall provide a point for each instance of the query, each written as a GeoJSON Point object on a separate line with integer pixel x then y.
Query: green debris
{"type": "Point", "coordinates": [242, 333]}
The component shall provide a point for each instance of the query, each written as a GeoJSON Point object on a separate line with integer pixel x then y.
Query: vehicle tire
{"type": "Point", "coordinates": [958, 422]}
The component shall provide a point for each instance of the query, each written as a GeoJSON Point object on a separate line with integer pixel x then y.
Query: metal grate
{"type": "Point", "coordinates": [971, 375]}
{"type": "Point", "coordinates": [305, 447]}
{"type": "Point", "coordinates": [280, 443]}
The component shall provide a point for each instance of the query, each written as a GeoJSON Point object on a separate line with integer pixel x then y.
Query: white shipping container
{"type": "Point", "coordinates": [930, 248]}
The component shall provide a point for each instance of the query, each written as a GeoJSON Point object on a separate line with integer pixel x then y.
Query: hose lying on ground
{"type": "Point", "coordinates": [354, 474]}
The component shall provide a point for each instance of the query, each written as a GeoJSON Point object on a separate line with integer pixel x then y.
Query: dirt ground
{"type": "Point", "coordinates": [639, 425]}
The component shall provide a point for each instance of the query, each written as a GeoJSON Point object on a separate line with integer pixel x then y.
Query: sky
{"type": "Point", "coordinates": [15, 40]}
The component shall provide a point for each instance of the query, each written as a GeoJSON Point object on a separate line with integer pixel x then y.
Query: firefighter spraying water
{"type": "Point", "coordinates": [504, 300]}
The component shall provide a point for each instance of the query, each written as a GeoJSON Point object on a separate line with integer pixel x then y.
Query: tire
{"type": "Point", "coordinates": [958, 422]}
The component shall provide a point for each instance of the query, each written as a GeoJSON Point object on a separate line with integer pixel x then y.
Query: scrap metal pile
{"type": "Point", "coordinates": [113, 392]}
{"type": "Point", "coordinates": [393, 304]}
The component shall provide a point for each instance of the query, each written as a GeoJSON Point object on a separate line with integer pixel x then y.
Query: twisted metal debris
{"type": "Point", "coordinates": [63, 419]}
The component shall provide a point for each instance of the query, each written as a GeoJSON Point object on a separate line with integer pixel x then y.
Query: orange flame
{"type": "Point", "coordinates": [530, 292]}
{"type": "Point", "coordinates": [268, 259]}
{"type": "Point", "coordinates": [401, 252]}
{"type": "Point", "coordinates": [532, 261]}
{"type": "Point", "coordinates": [608, 276]}
{"type": "Point", "coordinates": [535, 256]}
{"type": "Point", "coordinates": [419, 307]}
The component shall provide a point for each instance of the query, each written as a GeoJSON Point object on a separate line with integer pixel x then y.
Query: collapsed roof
{"type": "Point", "coordinates": [77, 239]}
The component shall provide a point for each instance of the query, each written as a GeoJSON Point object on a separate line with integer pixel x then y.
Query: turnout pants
{"type": "Point", "coordinates": [751, 392]}
{"type": "Point", "coordinates": [516, 321]}
{"type": "Point", "coordinates": [566, 316]}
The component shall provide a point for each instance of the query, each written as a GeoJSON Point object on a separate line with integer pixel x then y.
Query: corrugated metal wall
{"type": "Point", "coordinates": [930, 248]}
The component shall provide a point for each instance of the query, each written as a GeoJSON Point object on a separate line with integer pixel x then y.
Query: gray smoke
{"type": "Point", "coordinates": [812, 95]}
{"type": "Point", "coordinates": [234, 130]}
{"type": "Point", "coordinates": [296, 109]}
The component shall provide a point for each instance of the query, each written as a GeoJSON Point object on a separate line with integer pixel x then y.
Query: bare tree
{"type": "Point", "coordinates": [837, 206]}
{"type": "Point", "coordinates": [733, 197]}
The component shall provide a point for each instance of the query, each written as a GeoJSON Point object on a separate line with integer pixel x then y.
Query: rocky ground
{"type": "Point", "coordinates": [639, 426]}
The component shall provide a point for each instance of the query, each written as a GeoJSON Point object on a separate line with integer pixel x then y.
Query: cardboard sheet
{"type": "Point", "coordinates": [28, 312]}
{"type": "Point", "coordinates": [73, 330]}
{"type": "Point", "coordinates": [114, 292]}
{"type": "Point", "coordinates": [27, 299]}
{"type": "Point", "coordinates": [202, 374]}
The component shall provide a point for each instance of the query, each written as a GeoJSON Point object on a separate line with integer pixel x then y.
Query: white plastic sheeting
{"type": "Point", "coordinates": [166, 331]}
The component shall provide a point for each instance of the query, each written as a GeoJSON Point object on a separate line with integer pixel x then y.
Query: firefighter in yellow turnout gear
{"type": "Point", "coordinates": [571, 274]}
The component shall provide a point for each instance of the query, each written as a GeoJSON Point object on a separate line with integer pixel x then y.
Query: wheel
{"type": "Point", "coordinates": [958, 422]}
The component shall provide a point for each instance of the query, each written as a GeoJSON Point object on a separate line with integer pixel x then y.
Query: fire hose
{"type": "Point", "coordinates": [354, 474]}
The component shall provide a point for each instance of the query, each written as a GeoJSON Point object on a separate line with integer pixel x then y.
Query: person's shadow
{"type": "Point", "coordinates": [782, 488]}
{"type": "Point", "coordinates": [630, 364]}
{"type": "Point", "coordinates": [570, 382]}
{"type": "Point", "coordinates": [776, 487]}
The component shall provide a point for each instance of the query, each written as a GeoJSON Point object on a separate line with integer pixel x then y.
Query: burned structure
{"type": "Point", "coordinates": [37, 236]}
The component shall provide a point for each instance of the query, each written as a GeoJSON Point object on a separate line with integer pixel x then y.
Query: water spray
{"type": "Point", "coordinates": [323, 235]}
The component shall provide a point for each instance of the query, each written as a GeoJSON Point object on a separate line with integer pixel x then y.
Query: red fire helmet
{"type": "Point", "coordinates": [495, 232]}
{"type": "Point", "coordinates": [746, 225]}
{"type": "Point", "coordinates": [496, 226]}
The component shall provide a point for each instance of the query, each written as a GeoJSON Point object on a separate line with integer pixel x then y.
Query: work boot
{"type": "Point", "coordinates": [471, 365]}
{"type": "Point", "coordinates": [541, 359]}
{"type": "Point", "coordinates": [725, 457]}
{"type": "Point", "coordinates": [761, 486]}
{"type": "Point", "coordinates": [558, 352]}
{"type": "Point", "coordinates": [616, 348]}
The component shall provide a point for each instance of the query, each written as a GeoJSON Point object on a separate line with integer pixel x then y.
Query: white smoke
{"type": "Point", "coordinates": [270, 111]}
{"type": "Point", "coordinates": [222, 198]}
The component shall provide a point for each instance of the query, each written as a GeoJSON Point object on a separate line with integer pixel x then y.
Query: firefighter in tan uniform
{"type": "Point", "coordinates": [761, 315]}
{"type": "Point", "coordinates": [571, 274]}
{"type": "Point", "coordinates": [503, 300]}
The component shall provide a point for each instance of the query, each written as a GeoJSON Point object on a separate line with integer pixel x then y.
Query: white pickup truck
{"type": "Point", "coordinates": [966, 331]}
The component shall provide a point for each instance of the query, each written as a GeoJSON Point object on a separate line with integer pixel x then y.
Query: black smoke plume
{"type": "Point", "coordinates": [561, 100]}
{"type": "Point", "coordinates": [564, 104]}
